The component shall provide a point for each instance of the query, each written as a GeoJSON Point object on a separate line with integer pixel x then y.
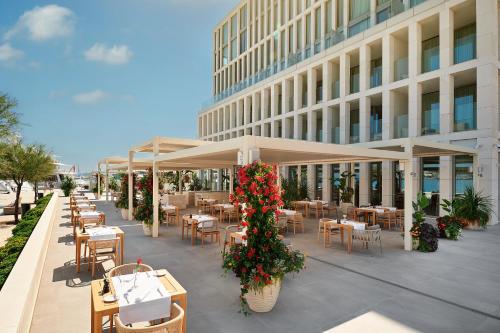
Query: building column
{"type": "Point", "coordinates": [414, 89]}
{"type": "Point", "coordinates": [219, 180]}
{"type": "Point", "coordinates": [130, 185]}
{"type": "Point", "coordinates": [327, 182]}
{"type": "Point", "coordinates": [344, 118]}
{"type": "Point", "coordinates": [364, 184]}
{"type": "Point", "coordinates": [445, 180]}
{"type": "Point", "coordinates": [231, 179]}
{"type": "Point", "coordinates": [156, 196]}
{"type": "Point", "coordinates": [408, 207]}
{"type": "Point", "coordinates": [107, 181]}
{"type": "Point", "coordinates": [387, 183]}
{"type": "Point", "coordinates": [311, 181]}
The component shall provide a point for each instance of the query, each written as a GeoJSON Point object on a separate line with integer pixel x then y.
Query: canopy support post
{"type": "Point", "coordinates": [409, 185]}
{"type": "Point", "coordinates": [156, 199]}
{"type": "Point", "coordinates": [98, 194]}
{"type": "Point", "coordinates": [107, 181]}
{"type": "Point", "coordinates": [130, 185]}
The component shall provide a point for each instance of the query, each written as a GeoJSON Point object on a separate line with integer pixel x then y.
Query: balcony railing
{"type": "Point", "coordinates": [331, 38]}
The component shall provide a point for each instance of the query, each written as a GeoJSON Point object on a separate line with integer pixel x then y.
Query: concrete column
{"type": "Point", "coordinates": [107, 181]}
{"type": "Point", "coordinates": [344, 118]}
{"type": "Point", "coordinates": [98, 195]}
{"type": "Point", "coordinates": [446, 37]}
{"type": "Point", "coordinates": [445, 180]}
{"type": "Point", "coordinates": [373, 12]}
{"type": "Point", "coordinates": [364, 183]}
{"type": "Point", "coordinates": [344, 67]}
{"type": "Point", "coordinates": [364, 67]}
{"type": "Point", "coordinates": [311, 181]}
{"type": "Point", "coordinates": [219, 180]}
{"type": "Point", "coordinates": [387, 59]}
{"type": "Point", "coordinates": [414, 109]}
{"type": "Point", "coordinates": [327, 182]}
{"type": "Point", "coordinates": [327, 81]}
{"type": "Point", "coordinates": [387, 183]}
{"type": "Point", "coordinates": [311, 86]}
{"type": "Point", "coordinates": [387, 115]}
{"type": "Point", "coordinates": [130, 185]}
{"type": "Point", "coordinates": [409, 185]}
{"type": "Point", "coordinates": [297, 92]}
{"type": "Point", "coordinates": [327, 125]}
{"type": "Point", "coordinates": [231, 180]}
{"type": "Point", "coordinates": [156, 196]}
{"type": "Point", "coordinates": [364, 118]}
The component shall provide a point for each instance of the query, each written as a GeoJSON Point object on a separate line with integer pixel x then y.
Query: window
{"type": "Point", "coordinates": [329, 18]}
{"type": "Point", "coordinates": [276, 17]}
{"type": "Point", "coordinates": [282, 14]}
{"type": "Point", "coordinates": [358, 8]}
{"type": "Point", "coordinates": [234, 26]}
{"type": "Point", "coordinates": [290, 9]}
{"type": "Point", "coordinates": [465, 44]}
{"type": "Point", "coordinates": [376, 123]}
{"type": "Point", "coordinates": [399, 186]}
{"type": "Point", "coordinates": [290, 40]}
{"type": "Point", "coordinates": [465, 108]}
{"type": "Point", "coordinates": [283, 45]}
{"type": "Point", "coordinates": [430, 54]}
{"type": "Point", "coordinates": [234, 49]}
{"type": "Point", "coordinates": [292, 173]}
{"type": "Point", "coordinates": [335, 184]}
{"type": "Point", "coordinates": [375, 72]}
{"type": "Point", "coordinates": [376, 183]}
{"type": "Point", "coordinates": [243, 41]}
{"type": "Point", "coordinates": [299, 34]}
{"type": "Point", "coordinates": [430, 113]}
{"type": "Point", "coordinates": [354, 80]}
{"type": "Point", "coordinates": [308, 29]}
{"type": "Point", "coordinates": [318, 181]}
{"type": "Point", "coordinates": [430, 183]}
{"type": "Point", "coordinates": [340, 13]}
{"type": "Point", "coordinates": [224, 56]}
{"type": "Point", "coordinates": [317, 25]}
{"type": "Point", "coordinates": [463, 174]}
{"type": "Point", "coordinates": [224, 33]}
{"type": "Point", "coordinates": [354, 126]}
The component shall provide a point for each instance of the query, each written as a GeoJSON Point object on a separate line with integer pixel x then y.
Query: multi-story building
{"type": "Point", "coordinates": [364, 72]}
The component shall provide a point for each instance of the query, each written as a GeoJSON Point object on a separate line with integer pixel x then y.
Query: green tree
{"type": "Point", "coordinates": [9, 120]}
{"type": "Point", "coordinates": [44, 165]}
{"type": "Point", "coordinates": [22, 163]}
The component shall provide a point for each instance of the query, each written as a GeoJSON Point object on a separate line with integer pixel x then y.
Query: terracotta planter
{"type": "Point", "coordinates": [344, 206]}
{"type": "Point", "coordinates": [147, 229]}
{"type": "Point", "coordinates": [415, 242]}
{"type": "Point", "coordinates": [124, 212]}
{"type": "Point", "coordinates": [473, 225]}
{"type": "Point", "coordinates": [265, 299]}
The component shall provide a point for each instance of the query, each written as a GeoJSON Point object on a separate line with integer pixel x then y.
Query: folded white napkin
{"type": "Point", "coordinates": [90, 214]}
{"type": "Point", "coordinates": [148, 300]}
{"type": "Point", "coordinates": [101, 233]}
{"type": "Point", "coordinates": [355, 225]}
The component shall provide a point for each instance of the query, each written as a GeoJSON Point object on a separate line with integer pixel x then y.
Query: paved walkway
{"type": "Point", "coordinates": [456, 289]}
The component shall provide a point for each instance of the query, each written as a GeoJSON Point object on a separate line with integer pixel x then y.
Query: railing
{"type": "Point", "coordinates": [401, 69]}
{"type": "Point", "coordinates": [331, 38]}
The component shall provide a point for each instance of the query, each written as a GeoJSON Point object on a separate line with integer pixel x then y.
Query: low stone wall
{"type": "Point", "coordinates": [19, 293]}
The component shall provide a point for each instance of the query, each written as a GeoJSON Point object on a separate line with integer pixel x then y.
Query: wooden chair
{"type": "Point", "coordinates": [231, 214]}
{"type": "Point", "coordinates": [282, 224]}
{"type": "Point", "coordinates": [332, 209]}
{"type": "Point", "coordinates": [173, 325]}
{"type": "Point", "coordinates": [321, 225]}
{"type": "Point", "coordinates": [227, 235]}
{"type": "Point", "coordinates": [387, 218]}
{"type": "Point", "coordinates": [318, 209]}
{"type": "Point", "coordinates": [297, 220]}
{"type": "Point", "coordinates": [128, 269]}
{"type": "Point", "coordinates": [371, 235]}
{"type": "Point", "coordinates": [102, 248]}
{"type": "Point", "coordinates": [351, 213]}
{"type": "Point", "coordinates": [208, 231]}
{"type": "Point", "coordinates": [400, 218]}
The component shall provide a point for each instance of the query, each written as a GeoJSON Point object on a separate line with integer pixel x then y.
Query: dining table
{"type": "Point", "coordinates": [100, 308]}
{"type": "Point", "coordinates": [304, 204]}
{"type": "Point", "coordinates": [82, 238]}
{"type": "Point", "coordinates": [195, 221]}
{"type": "Point", "coordinates": [171, 209]}
{"type": "Point", "coordinates": [289, 213]}
{"type": "Point", "coordinates": [221, 208]}
{"type": "Point", "coordinates": [343, 226]}
{"type": "Point", "coordinates": [88, 217]}
{"type": "Point", "coordinates": [367, 211]}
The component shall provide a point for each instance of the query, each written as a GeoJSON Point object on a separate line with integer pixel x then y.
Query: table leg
{"type": "Point", "coordinates": [183, 304]}
{"type": "Point", "coordinates": [182, 235]}
{"type": "Point", "coordinates": [325, 234]}
{"type": "Point", "coordinates": [78, 246]}
{"type": "Point", "coordinates": [96, 319]}
{"type": "Point", "coordinates": [349, 240]}
{"type": "Point", "coordinates": [122, 247]}
{"type": "Point", "coordinates": [193, 231]}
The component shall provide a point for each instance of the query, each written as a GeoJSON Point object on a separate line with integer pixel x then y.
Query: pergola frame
{"type": "Point", "coordinates": [194, 154]}
{"type": "Point", "coordinates": [108, 162]}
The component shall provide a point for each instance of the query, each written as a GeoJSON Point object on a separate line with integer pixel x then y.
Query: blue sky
{"type": "Point", "coordinates": [94, 77]}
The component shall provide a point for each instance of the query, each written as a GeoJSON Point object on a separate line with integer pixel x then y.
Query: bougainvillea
{"type": "Point", "coordinates": [122, 201]}
{"type": "Point", "coordinates": [264, 259]}
{"type": "Point", "coordinates": [144, 211]}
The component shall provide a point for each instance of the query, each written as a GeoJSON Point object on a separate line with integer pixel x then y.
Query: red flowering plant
{"type": "Point", "coordinates": [264, 259]}
{"type": "Point", "coordinates": [122, 201]}
{"type": "Point", "coordinates": [144, 211]}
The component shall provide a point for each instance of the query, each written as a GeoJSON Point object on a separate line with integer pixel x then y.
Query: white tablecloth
{"type": "Point", "coordinates": [204, 220]}
{"type": "Point", "coordinates": [289, 212]}
{"type": "Point", "coordinates": [168, 207]}
{"type": "Point", "coordinates": [314, 203]}
{"type": "Point", "coordinates": [356, 225]}
{"type": "Point", "coordinates": [90, 214]}
{"type": "Point", "coordinates": [149, 300]}
{"type": "Point", "coordinates": [101, 233]}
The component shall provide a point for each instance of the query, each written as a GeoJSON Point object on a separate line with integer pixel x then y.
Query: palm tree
{"type": "Point", "coordinates": [24, 163]}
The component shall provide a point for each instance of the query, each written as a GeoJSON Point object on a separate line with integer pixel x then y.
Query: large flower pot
{"type": "Point", "coordinates": [124, 212]}
{"type": "Point", "coordinates": [473, 225]}
{"type": "Point", "coordinates": [265, 299]}
{"type": "Point", "coordinates": [147, 229]}
{"type": "Point", "coordinates": [344, 206]}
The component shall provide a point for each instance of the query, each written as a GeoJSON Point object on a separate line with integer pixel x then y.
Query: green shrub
{"type": "Point", "coordinates": [68, 185]}
{"type": "Point", "coordinates": [20, 234]}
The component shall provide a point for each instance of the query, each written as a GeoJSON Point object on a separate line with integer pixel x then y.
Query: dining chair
{"type": "Point", "coordinates": [173, 325]}
{"type": "Point", "coordinates": [351, 213]}
{"type": "Point", "coordinates": [332, 208]}
{"type": "Point", "coordinates": [128, 269]}
{"type": "Point", "coordinates": [297, 220]}
{"type": "Point", "coordinates": [321, 225]}
{"type": "Point", "coordinates": [230, 214]}
{"type": "Point", "coordinates": [102, 248]}
{"type": "Point", "coordinates": [282, 224]}
{"type": "Point", "coordinates": [372, 234]}
{"type": "Point", "coordinates": [208, 231]}
{"type": "Point", "coordinates": [387, 218]}
{"type": "Point", "coordinates": [318, 209]}
{"type": "Point", "coordinates": [400, 218]}
{"type": "Point", "coordinates": [227, 235]}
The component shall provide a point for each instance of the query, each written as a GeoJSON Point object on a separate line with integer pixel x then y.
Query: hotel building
{"type": "Point", "coordinates": [363, 72]}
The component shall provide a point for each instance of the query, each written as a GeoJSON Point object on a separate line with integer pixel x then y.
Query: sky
{"type": "Point", "coordinates": [94, 77]}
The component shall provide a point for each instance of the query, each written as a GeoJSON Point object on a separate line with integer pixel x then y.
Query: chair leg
{"type": "Point", "coordinates": [110, 323]}
{"type": "Point", "coordinates": [93, 264]}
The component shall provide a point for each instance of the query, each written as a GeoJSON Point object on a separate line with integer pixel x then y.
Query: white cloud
{"type": "Point", "coordinates": [90, 97]}
{"type": "Point", "coordinates": [8, 53]}
{"type": "Point", "coordinates": [44, 23]}
{"type": "Point", "coordinates": [115, 55]}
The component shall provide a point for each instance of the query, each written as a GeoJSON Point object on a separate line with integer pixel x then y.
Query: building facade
{"type": "Point", "coordinates": [362, 72]}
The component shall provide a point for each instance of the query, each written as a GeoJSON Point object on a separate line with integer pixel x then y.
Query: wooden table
{"type": "Point", "coordinates": [168, 209]}
{"type": "Point", "coordinates": [99, 309]}
{"type": "Point", "coordinates": [332, 225]}
{"type": "Point", "coordinates": [82, 220]}
{"type": "Point", "coordinates": [222, 208]}
{"type": "Point", "coordinates": [80, 238]}
{"type": "Point", "coordinates": [304, 204]}
{"type": "Point", "coordinates": [194, 225]}
{"type": "Point", "coordinates": [367, 211]}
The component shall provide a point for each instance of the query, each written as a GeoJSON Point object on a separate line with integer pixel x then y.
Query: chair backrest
{"type": "Point", "coordinates": [103, 244]}
{"type": "Point", "coordinates": [368, 235]}
{"type": "Point", "coordinates": [351, 212]}
{"type": "Point", "coordinates": [298, 217]}
{"type": "Point", "coordinates": [128, 269]}
{"type": "Point", "coordinates": [174, 325]}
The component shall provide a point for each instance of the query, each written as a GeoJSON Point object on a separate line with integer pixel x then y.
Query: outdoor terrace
{"type": "Point", "coordinates": [456, 289]}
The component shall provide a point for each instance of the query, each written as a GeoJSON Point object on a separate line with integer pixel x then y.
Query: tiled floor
{"type": "Point", "coordinates": [456, 289]}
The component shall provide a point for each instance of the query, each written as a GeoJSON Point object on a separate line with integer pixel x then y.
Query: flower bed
{"type": "Point", "coordinates": [20, 235]}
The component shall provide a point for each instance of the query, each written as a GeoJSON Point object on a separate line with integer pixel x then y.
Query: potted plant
{"type": "Point", "coordinates": [346, 191]}
{"type": "Point", "coordinates": [144, 210]}
{"type": "Point", "coordinates": [122, 202]}
{"type": "Point", "coordinates": [424, 235]}
{"type": "Point", "coordinates": [450, 226]}
{"type": "Point", "coordinates": [474, 208]}
{"type": "Point", "coordinates": [262, 260]}
{"type": "Point", "coordinates": [68, 185]}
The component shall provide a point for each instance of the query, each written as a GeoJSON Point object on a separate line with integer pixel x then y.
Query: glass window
{"type": "Point", "coordinates": [290, 9]}
{"type": "Point", "coordinates": [376, 123]}
{"type": "Point", "coordinates": [430, 183]}
{"type": "Point", "coordinates": [329, 13]}
{"type": "Point", "coordinates": [276, 16]}
{"type": "Point", "coordinates": [290, 40]}
{"type": "Point", "coordinates": [224, 34]}
{"type": "Point", "coordinates": [319, 128]}
{"type": "Point", "coordinates": [401, 125]}
{"type": "Point", "coordinates": [358, 8]}
{"type": "Point", "coordinates": [335, 188]}
{"type": "Point", "coordinates": [413, 3]}
{"type": "Point", "coordinates": [399, 186]}
{"type": "Point", "coordinates": [354, 80]}
{"type": "Point", "coordinates": [317, 24]}
{"type": "Point", "coordinates": [376, 183]}
{"type": "Point", "coordinates": [243, 41]}
{"type": "Point", "coordinates": [282, 14]}
{"type": "Point", "coordinates": [430, 54]}
{"type": "Point", "coordinates": [308, 29]}
{"type": "Point", "coordinates": [375, 72]}
{"type": "Point", "coordinates": [335, 126]}
{"type": "Point", "coordinates": [318, 182]}
{"type": "Point", "coordinates": [463, 174]}
{"type": "Point", "coordinates": [299, 34]}
{"type": "Point", "coordinates": [243, 16]}
{"type": "Point", "coordinates": [383, 14]}
{"type": "Point", "coordinates": [359, 27]}
{"type": "Point", "coordinates": [430, 113]}
{"type": "Point", "coordinates": [292, 173]}
{"type": "Point", "coordinates": [224, 56]}
{"type": "Point", "coordinates": [465, 108]}
{"type": "Point", "coordinates": [354, 126]}
{"type": "Point", "coordinates": [234, 26]}
{"type": "Point", "coordinates": [340, 13]}
{"type": "Point", "coordinates": [283, 44]}
{"type": "Point", "coordinates": [234, 49]}
{"type": "Point", "coordinates": [465, 43]}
